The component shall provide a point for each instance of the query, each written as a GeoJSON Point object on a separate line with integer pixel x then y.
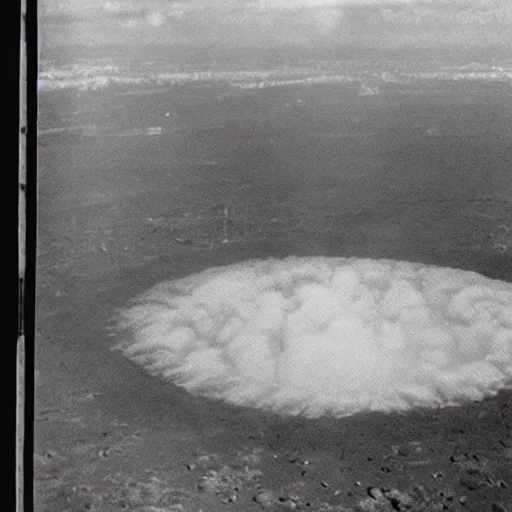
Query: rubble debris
{"type": "Point", "coordinates": [266, 498]}
{"type": "Point", "coordinates": [418, 499]}
{"type": "Point", "coordinates": [228, 481]}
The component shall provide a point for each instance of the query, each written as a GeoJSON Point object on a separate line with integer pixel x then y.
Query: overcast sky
{"type": "Point", "coordinates": [84, 5]}
{"type": "Point", "coordinates": [100, 22]}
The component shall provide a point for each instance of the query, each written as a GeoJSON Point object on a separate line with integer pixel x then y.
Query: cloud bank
{"type": "Point", "coordinates": [375, 23]}
{"type": "Point", "coordinates": [120, 5]}
{"type": "Point", "coordinates": [327, 336]}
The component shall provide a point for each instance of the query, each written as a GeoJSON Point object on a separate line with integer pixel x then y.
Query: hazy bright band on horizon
{"type": "Point", "coordinates": [394, 22]}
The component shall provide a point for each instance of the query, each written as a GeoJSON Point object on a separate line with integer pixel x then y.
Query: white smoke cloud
{"type": "Point", "coordinates": [156, 18]}
{"type": "Point", "coordinates": [318, 336]}
{"type": "Point", "coordinates": [327, 21]}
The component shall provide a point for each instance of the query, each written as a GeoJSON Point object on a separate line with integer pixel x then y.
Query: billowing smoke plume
{"type": "Point", "coordinates": [327, 336]}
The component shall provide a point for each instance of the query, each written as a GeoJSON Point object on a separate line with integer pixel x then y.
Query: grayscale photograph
{"type": "Point", "coordinates": [274, 256]}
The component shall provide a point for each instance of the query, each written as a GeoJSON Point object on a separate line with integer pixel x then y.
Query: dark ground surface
{"type": "Point", "coordinates": [421, 174]}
